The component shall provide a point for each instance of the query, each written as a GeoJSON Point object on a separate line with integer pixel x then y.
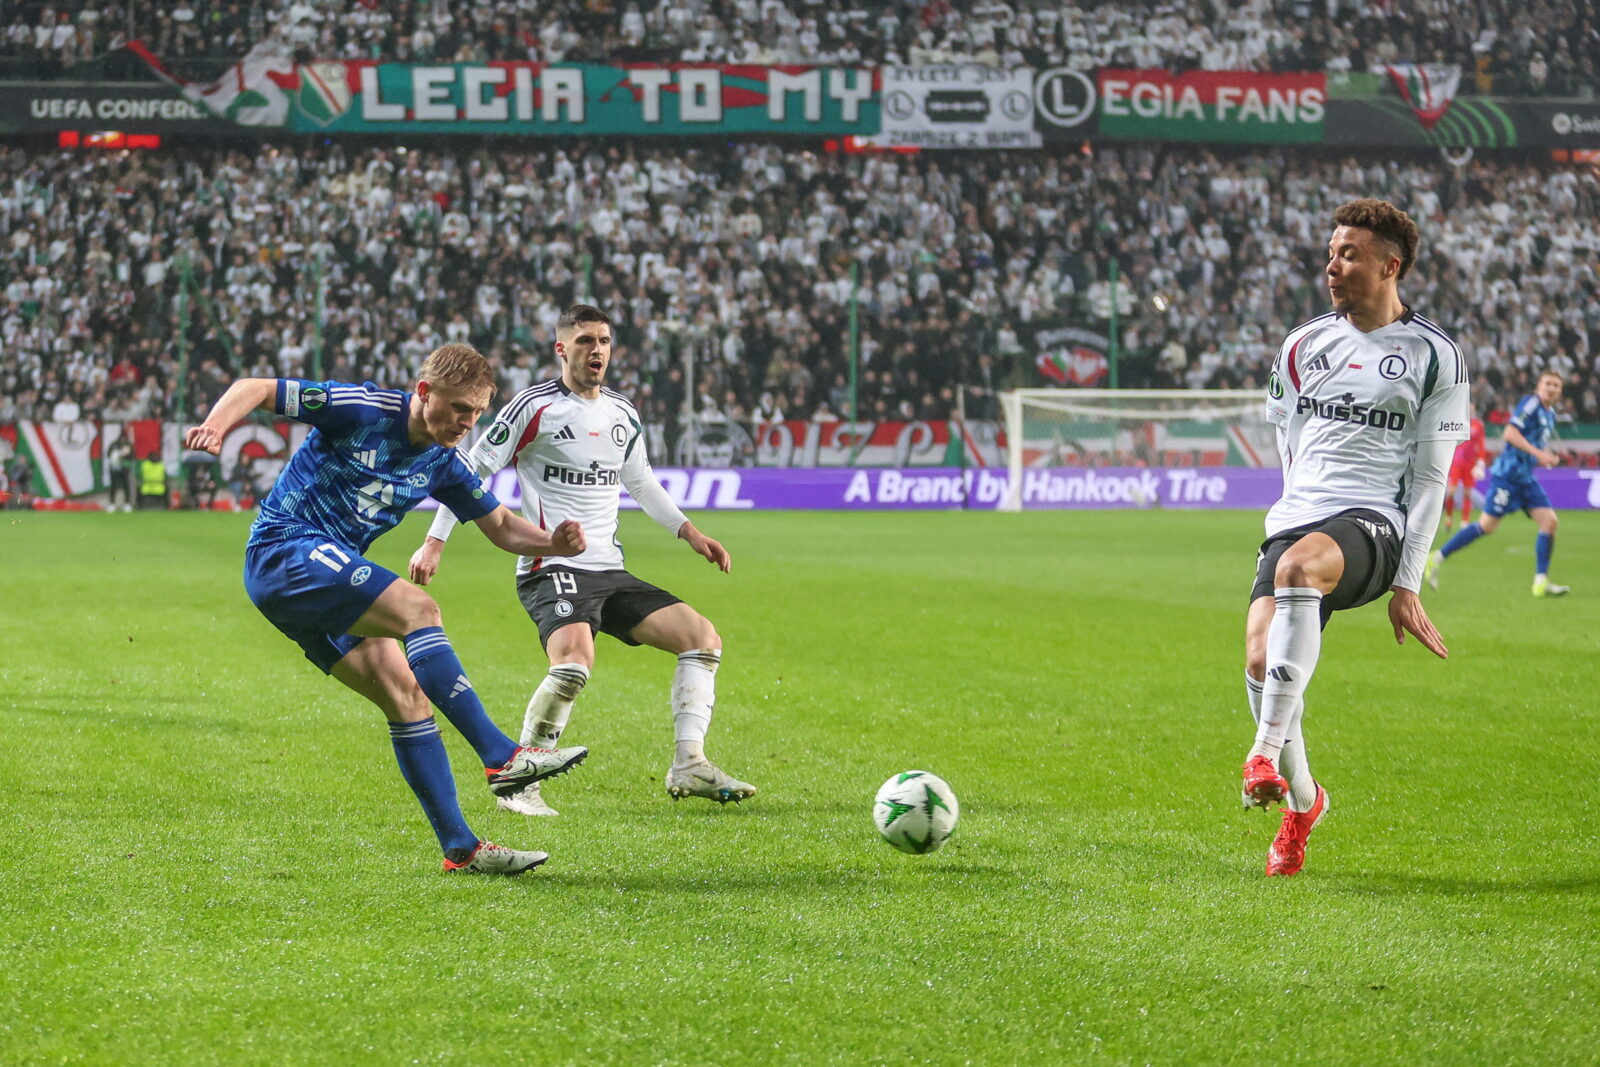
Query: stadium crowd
{"type": "Point", "coordinates": [1511, 48]}
{"type": "Point", "coordinates": [136, 285]}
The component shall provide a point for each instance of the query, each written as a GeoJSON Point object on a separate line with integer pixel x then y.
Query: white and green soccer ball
{"type": "Point", "coordinates": [915, 811]}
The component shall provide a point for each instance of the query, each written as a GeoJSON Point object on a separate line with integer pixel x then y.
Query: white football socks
{"type": "Point", "coordinates": [1292, 757]}
{"type": "Point", "coordinates": [1294, 642]}
{"type": "Point", "coordinates": [694, 692]}
{"type": "Point", "coordinates": [551, 704]}
{"type": "Point", "coordinates": [1294, 768]}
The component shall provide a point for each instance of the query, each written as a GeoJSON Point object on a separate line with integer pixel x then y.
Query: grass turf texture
{"type": "Point", "coordinates": [213, 859]}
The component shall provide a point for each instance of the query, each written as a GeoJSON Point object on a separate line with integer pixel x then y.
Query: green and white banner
{"type": "Point", "coordinates": [533, 98]}
{"type": "Point", "coordinates": [951, 106]}
{"type": "Point", "coordinates": [267, 88]}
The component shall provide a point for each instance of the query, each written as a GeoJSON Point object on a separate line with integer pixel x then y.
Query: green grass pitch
{"type": "Point", "coordinates": [211, 858]}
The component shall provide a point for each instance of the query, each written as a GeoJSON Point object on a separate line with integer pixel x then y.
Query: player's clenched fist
{"type": "Point", "coordinates": [567, 539]}
{"type": "Point", "coordinates": [203, 439]}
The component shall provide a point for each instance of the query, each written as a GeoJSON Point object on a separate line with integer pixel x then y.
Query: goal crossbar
{"type": "Point", "coordinates": [1117, 408]}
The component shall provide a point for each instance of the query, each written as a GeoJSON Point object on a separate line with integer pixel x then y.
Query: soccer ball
{"type": "Point", "coordinates": [915, 811]}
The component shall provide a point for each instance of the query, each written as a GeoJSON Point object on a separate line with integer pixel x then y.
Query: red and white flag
{"type": "Point", "coordinates": [1429, 88]}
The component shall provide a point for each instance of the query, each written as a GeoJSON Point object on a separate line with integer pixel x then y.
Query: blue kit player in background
{"type": "Point", "coordinates": [1512, 485]}
{"type": "Point", "coordinates": [374, 454]}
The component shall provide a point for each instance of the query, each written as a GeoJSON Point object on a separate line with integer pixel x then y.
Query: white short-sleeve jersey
{"type": "Point", "coordinates": [573, 457]}
{"type": "Point", "coordinates": [1350, 408]}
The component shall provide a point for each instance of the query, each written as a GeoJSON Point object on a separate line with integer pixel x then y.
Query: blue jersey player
{"type": "Point", "coordinates": [372, 455]}
{"type": "Point", "coordinates": [1512, 485]}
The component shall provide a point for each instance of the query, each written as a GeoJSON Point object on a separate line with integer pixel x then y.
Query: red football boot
{"type": "Point", "coordinates": [1263, 785]}
{"type": "Point", "coordinates": [1288, 852]}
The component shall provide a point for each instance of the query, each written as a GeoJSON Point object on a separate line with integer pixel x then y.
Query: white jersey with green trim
{"type": "Point", "coordinates": [1351, 407]}
{"type": "Point", "coordinates": [573, 457]}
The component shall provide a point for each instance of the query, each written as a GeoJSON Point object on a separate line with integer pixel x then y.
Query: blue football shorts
{"type": "Point", "coordinates": [1505, 497]}
{"type": "Point", "coordinates": [314, 590]}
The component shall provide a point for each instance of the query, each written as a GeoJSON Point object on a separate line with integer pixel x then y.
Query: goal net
{"type": "Point", "coordinates": [1132, 429]}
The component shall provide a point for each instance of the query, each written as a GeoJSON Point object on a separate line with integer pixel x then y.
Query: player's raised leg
{"type": "Point", "coordinates": [377, 669]}
{"type": "Point", "coordinates": [1544, 546]}
{"type": "Point", "coordinates": [571, 652]}
{"type": "Point", "coordinates": [686, 633]}
{"type": "Point", "coordinates": [405, 611]}
{"type": "Point", "coordinates": [1292, 765]}
{"type": "Point", "coordinates": [1307, 570]}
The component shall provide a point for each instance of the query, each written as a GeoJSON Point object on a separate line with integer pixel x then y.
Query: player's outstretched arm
{"type": "Point", "coordinates": [242, 397]}
{"type": "Point", "coordinates": [515, 534]}
{"type": "Point", "coordinates": [711, 550]}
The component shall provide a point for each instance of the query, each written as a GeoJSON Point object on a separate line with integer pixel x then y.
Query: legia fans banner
{"type": "Point", "coordinates": [1203, 105]}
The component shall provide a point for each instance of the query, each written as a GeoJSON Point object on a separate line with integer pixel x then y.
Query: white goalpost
{"type": "Point", "coordinates": [1119, 428]}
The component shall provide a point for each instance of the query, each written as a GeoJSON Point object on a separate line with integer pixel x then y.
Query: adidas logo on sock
{"type": "Point", "coordinates": [461, 686]}
{"type": "Point", "coordinates": [565, 434]}
{"type": "Point", "coordinates": [1282, 674]}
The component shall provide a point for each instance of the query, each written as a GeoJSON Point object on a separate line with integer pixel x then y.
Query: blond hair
{"type": "Point", "coordinates": [458, 366]}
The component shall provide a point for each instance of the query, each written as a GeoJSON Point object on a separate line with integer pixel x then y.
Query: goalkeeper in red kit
{"type": "Point", "coordinates": [1466, 470]}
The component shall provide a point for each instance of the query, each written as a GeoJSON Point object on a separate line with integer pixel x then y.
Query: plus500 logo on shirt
{"type": "Point", "coordinates": [568, 476]}
{"type": "Point", "coordinates": [1376, 418]}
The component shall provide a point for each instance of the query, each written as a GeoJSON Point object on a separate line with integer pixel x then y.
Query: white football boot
{"type": "Point", "coordinates": [527, 802]}
{"type": "Point", "coordinates": [529, 764]}
{"type": "Point", "coordinates": [706, 779]}
{"type": "Point", "coordinates": [1543, 586]}
{"type": "Point", "coordinates": [490, 858]}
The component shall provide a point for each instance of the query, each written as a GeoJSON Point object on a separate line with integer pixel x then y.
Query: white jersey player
{"type": "Point", "coordinates": [575, 445]}
{"type": "Point", "coordinates": [1370, 401]}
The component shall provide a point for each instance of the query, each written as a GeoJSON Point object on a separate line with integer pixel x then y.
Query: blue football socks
{"type": "Point", "coordinates": [442, 677]}
{"type": "Point", "coordinates": [1543, 545]}
{"type": "Point", "coordinates": [1464, 537]}
{"type": "Point", "coordinates": [419, 750]}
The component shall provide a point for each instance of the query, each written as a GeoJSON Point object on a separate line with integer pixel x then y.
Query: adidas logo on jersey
{"type": "Point", "coordinates": [565, 434]}
{"type": "Point", "coordinates": [1320, 363]}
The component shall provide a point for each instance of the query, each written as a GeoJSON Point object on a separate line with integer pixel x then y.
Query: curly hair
{"type": "Point", "coordinates": [1386, 222]}
{"type": "Point", "coordinates": [458, 366]}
